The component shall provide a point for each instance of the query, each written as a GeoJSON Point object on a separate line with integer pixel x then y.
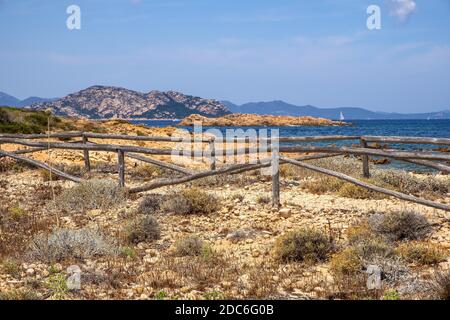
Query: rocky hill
{"type": "Point", "coordinates": [100, 102]}
{"type": "Point", "coordinates": [242, 120]}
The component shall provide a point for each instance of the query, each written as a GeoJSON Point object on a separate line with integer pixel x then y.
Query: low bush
{"type": "Point", "coordinates": [191, 201]}
{"type": "Point", "coordinates": [141, 229]}
{"type": "Point", "coordinates": [408, 183]}
{"type": "Point", "coordinates": [346, 262]}
{"type": "Point", "coordinates": [90, 195]}
{"type": "Point", "coordinates": [349, 190]}
{"type": "Point", "coordinates": [72, 169]}
{"type": "Point", "coordinates": [400, 225]}
{"type": "Point", "coordinates": [305, 245]}
{"type": "Point", "coordinates": [441, 285]}
{"type": "Point", "coordinates": [19, 294]}
{"type": "Point", "coordinates": [65, 244]}
{"type": "Point", "coordinates": [422, 253]}
{"type": "Point", "coordinates": [150, 204]}
{"type": "Point", "coordinates": [190, 246]}
{"type": "Point", "coordinates": [322, 184]}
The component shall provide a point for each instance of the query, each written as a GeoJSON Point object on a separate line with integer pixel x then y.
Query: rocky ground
{"type": "Point", "coordinates": [241, 235]}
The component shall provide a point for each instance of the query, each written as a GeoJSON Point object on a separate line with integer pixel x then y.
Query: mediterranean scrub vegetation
{"type": "Point", "coordinates": [14, 120]}
{"type": "Point", "coordinates": [215, 238]}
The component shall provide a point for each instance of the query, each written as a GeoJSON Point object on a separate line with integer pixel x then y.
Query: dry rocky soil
{"type": "Point", "coordinates": [214, 238]}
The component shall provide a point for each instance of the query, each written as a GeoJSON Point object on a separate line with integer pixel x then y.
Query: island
{"type": "Point", "coordinates": [239, 119]}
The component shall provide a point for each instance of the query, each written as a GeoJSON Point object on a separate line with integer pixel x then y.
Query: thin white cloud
{"type": "Point", "coordinates": [402, 9]}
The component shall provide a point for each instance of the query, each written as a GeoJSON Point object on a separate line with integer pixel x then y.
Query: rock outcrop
{"type": "Point", "coordinates": [100, 102]}
{"type": "Point", "coordinates": [238, 119]}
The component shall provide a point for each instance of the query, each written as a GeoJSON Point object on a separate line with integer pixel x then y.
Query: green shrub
{"type": "Point", "coordinates": [90, 195]}
{"type": "Point", "coordinates": [191, 201]}
{"type": "Point", "coordinates": [305, 245]}
{"type": "Point", "coordinates": [58, 286]}
{"type": "Point", "coordinates": [11, 267]}
{"type": "Point", "coordinates": [65, 244]}
{"type": "Point", "coordinates": [423, 253]}
{"type": "Point", "coordinates": [4, 117]}
{"type": "Point", "coordinates": [400, 225]}
{"type": "Point", "coordinates": [391, 295]}
{"type": "Point", "coordinates": [19, 294]}
{"type": "Point", "coordinates": [143, 229]}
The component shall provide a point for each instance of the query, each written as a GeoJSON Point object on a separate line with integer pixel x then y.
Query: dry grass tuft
{"type": "Point", "coordinates": [191, 201]}
{"type": "Point", "coordinates": [305, 245]}
{"type": "Point", "coordinates": [65, 244]}
{"type": "Point", "coordinates": [90, 195]}
{"type": "Point", "coordinates": [422, 253]}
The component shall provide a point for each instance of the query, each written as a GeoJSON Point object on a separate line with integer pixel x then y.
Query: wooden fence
{"type": "Point", "coordinates": [436, 160]}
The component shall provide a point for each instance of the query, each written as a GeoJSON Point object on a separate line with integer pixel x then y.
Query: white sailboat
{"type": "Point", "coordinates": [341, 116]}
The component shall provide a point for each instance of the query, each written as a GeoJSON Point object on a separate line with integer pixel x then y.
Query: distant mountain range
{"type": "Point", "coordinates": [100, 102]}
{"type": "Point", "coordinates": [8, 100]}
{"type": "Point", "coordinates": [282, 108]}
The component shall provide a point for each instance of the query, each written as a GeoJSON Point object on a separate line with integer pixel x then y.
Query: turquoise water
{"type": "Point", "coordinates": [413, 128]}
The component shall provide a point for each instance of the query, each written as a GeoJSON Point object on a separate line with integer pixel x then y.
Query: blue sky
{"type": "Point", "coordinates": [316, 52]}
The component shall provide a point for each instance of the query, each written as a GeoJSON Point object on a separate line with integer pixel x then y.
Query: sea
{"type": "Point", "coordinates": [438, 128]}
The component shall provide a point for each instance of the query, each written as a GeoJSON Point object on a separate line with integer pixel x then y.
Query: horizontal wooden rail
{"type": "Point", "coordinates": [372, 152]}
{"type": "Point", "coordinates": [411, 140]}
{"type": "Point", "coordinates": [367, 185]}
{"type": "Point", "coordinates": [435, 165]}
{"type": "Point", "coordinates": [64, 135]}
{"type": "Point", "coordinates": [90, 147]}
{"type": "Point", "coordinates": [168, 182]}
{"type": "Point", "coordinates": [144, 138]}
{"type": "Point", "coordinates": [40, 165]}
{"type": "Point", "coordinates": [163, 164]}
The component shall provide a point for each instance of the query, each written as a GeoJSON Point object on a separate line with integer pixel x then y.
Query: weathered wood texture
{"type": "Point", "coordinates": [162, 164]}
{"type": "Point", "coordinates": [41, 165]}
{"type": "Point", "coordinates": [369, 186]}
{"type": "Point", "coordinates": [121, 163]}
{"type": "Point", "coordinates": [87, 161]}
{"type": "Point", "coordinates": [275, 166]}
{"type": "Point", "coordinates": [411, 140]}
{"type": "Point", "coordinates": [365, 160]}
{"type": "Point", "coordinates": [435, 165]}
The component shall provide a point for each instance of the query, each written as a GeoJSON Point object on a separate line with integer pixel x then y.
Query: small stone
{"type": "Point", "coordinates": [285, 212]}
{"type": "Point", "coordinates": [255, 253]}
{"type": "Point", "coordinates": [74, 280]}
{"type": "Point", "coordinates": [30, 272]}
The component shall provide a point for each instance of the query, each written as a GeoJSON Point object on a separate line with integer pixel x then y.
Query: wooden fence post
{"type": "Point", "coordinates": [212, 149]}
{"type": "Point", "coordinates": [275, 168]}
{"type": "Point", "coordinates": [87, 161]}
{"type": "Point", "coordinates": [121, 160]}
{"type": "Point", "coordinates": [365, 159]}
